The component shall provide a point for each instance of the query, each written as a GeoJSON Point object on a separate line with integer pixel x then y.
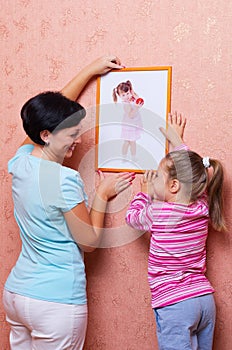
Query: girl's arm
{"type": "Point", "coordinates": [139, 214]}
{"type": "Point", "coordinates": [133, 93]}
{"type": "Point", "coordinates": [175, 131]}
{"type": "Point", "coordinates": [142, 208]}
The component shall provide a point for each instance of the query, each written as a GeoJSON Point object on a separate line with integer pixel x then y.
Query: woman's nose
{"type": "Point", "coordinates": [78, 139]}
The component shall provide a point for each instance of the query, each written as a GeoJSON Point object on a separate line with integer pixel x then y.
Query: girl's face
{"type": "Point", "coordinates": [160, 184]}
{"type": "Point", "coordinates": [125, 96]}
{"type": "Point", "coordinates": [63, 142]}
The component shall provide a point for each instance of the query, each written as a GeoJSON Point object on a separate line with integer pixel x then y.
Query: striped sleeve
{"type": "Point", "coordinates": [139, 214]}
{"type": "Point", "coordinates": [182, 147]}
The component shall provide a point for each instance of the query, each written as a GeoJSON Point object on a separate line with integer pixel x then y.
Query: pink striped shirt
{"type": "Point", "coordinates": [177, 256]}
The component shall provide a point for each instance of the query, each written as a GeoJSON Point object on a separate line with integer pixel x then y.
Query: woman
{"type": "Point", "coordinates": [45, 293]}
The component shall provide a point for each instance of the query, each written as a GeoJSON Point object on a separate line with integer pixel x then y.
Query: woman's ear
{"type": "Point", "coordinates": [44, 135]}
{"type": "Point", "coordinates": [174, 186]}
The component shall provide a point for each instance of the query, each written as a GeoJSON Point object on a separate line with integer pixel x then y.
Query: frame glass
{"type": "Point", "coordinates": [132, 104]}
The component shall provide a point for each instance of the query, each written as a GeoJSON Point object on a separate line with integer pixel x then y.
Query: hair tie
{"type": "Point", "coordinates": [206, 162]}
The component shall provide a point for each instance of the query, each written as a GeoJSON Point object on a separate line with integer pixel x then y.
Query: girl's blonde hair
{"type": "Point", "coordinates": [124, 86]}
{"type": "Point", "coordinates": [188, 168]}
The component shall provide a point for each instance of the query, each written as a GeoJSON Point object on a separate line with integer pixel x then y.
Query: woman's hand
{"type": "Point", "coordinates": [104, 64]}
{"type": "Point", "coordinates": [100, 66]}
{"type": "Point", "coordinates": [175, 131]}
{"type": "Point", "coordinates": [147, 182]}
{"type": "Point", "coordinates": [112, 185]}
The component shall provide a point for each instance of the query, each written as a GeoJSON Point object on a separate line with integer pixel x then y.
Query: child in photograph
{"type": "Point", "coordinates": [132, 126]}
{"type": "Point", "coordinates": [175, 205]}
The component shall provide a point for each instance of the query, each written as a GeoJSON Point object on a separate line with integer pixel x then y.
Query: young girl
{"type": "Point", "coordinates": [131, 123]}
{"type": "Point", "coordinates": [175, 204]}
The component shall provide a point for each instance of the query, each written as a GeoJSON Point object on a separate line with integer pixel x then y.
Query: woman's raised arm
{"type": "Point", "coordinates": [100, 66]}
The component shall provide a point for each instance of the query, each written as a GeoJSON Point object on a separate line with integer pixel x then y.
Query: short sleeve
{"type": "Point", "coordinates": [22, 151]}
{"type": "Point", "coordinates": [72, 191]}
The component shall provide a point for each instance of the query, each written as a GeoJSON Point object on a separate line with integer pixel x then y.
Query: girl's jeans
{"type": "Point", "coordinates": [42, 325]}
{"type": "Point", "coordinates": [187, 325]}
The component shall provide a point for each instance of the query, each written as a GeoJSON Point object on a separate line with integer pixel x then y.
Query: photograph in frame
{"type": "Point", "coordinates": [132, 104]}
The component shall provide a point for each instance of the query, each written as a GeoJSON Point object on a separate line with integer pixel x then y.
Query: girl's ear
{"type": "Point", "coordinates": [44, 135]}
{"type": "Point", "coordinates": [174, 186]}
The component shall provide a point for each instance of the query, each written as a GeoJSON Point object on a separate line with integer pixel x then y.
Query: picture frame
{"type": "Point", "coordinates": [132, 104]}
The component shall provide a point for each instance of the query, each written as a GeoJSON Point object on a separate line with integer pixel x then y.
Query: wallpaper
{"type": "Point", "coordinates": [43, 45]}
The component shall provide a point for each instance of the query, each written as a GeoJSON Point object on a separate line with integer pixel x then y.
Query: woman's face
{"type": "Point", "coordinates": [63, 142]}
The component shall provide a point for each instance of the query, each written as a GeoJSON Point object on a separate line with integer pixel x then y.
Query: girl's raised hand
{"type": "Point", "coordinates": [177, 122]}
{"type": "Point", "coordinates": [147, 182]}
{"type": "Point", "coordinates": [175, 131]}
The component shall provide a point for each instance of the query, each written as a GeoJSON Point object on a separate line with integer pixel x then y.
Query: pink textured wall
{"type": "Point", "coordinates": [42, 45]}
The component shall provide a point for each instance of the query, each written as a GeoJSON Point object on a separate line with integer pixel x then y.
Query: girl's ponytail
{"type": "Point", "coordinates": [115, 95]}
{"type": "Point", "coordinates": [194, 173]}
{"type": "Point", "coordinates": [129, 84]}
{"type": "Point", "coordinates": [215, 198]}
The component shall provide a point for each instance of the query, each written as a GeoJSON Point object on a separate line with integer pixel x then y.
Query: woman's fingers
{"type": "Point", "coordinates": [121, 186]}
{"type": "Point", "coordinates": [114, 62]}
{"type": "Point", "coordinates": [124, 181]}
{"type": "Point", "coordinates": [101, 175]}
{"type": "Point", "coordinates": [112, 185]}
{"type": "Point", "coordinates": [105, 63]}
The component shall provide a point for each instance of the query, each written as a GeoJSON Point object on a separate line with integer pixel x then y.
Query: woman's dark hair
{"type": "Point", "coordinates": [50, 111]}
{"type": "Point", "coordinates": [188, 168]}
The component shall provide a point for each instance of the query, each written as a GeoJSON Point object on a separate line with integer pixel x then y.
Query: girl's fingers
{"type": "Point", "coordinates": [183, 122]}
{"type": "Point", "coordinates": [176, 119]}
{"type": "Point", "coordinates": [173, 120]}
{"type": "Point", "coordinates": [148, 175]}
{"type": "Point", "coordinates": [145, 175]}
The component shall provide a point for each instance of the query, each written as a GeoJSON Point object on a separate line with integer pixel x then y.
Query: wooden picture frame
{"type": "Point", "coordinates": [132, 104]}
